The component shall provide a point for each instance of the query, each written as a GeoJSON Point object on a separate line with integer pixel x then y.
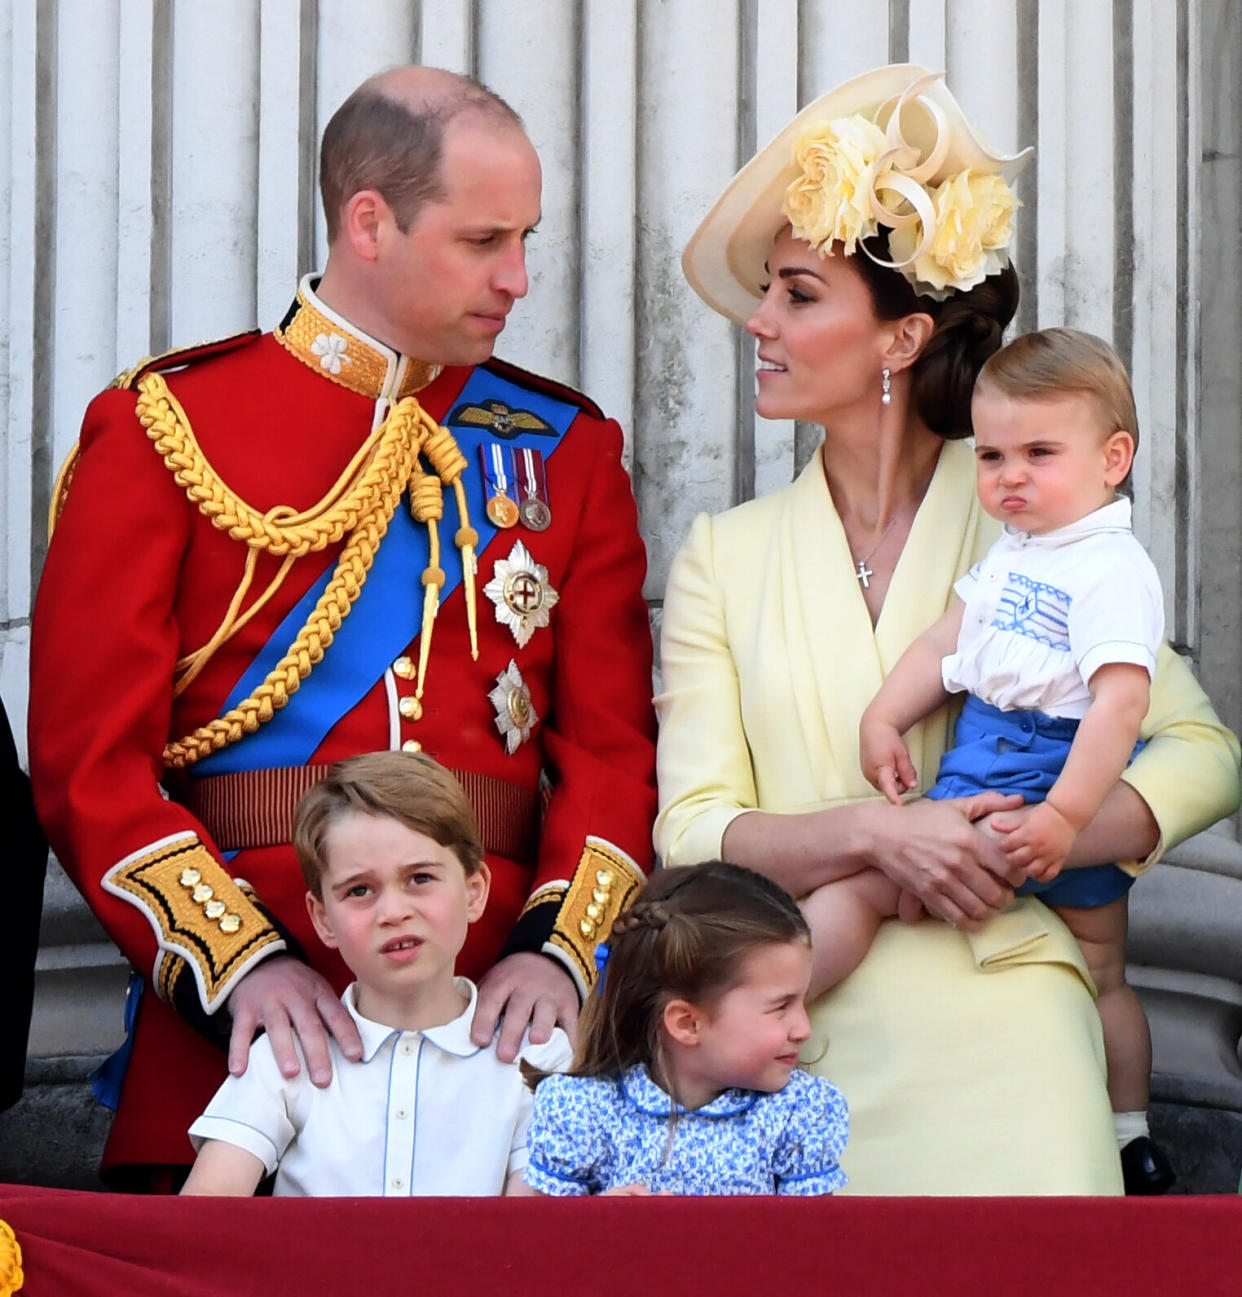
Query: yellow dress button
{"type": "Point", "coordinates": [411, 745]}
{"type": "Point", "coordinates": [404, 668]}
{"type": "Point", "coordinates": [410, 708]}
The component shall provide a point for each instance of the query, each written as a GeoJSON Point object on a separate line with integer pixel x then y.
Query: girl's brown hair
{"type": "Point", "coordinates": [684, 938]}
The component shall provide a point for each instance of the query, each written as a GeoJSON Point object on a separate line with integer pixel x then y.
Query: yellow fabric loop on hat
{"type": "Point", "coordinates": [919, 199]}
{"type": "Point", "coordinates": [11, 1276]}
{"type": "Point", "coordinates": [925, 170]}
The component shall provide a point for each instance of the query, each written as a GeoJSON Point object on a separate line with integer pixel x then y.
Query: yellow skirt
{"type": "Point", "coordinates": [972, 1065]}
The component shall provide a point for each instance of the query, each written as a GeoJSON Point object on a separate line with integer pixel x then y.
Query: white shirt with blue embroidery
{"type": "Point", "coordinates": [1045, 612]}
{"type": "Point", "coordinates": [589, 1134]}
{"type": "Point", "coordinates": [421, 1113]}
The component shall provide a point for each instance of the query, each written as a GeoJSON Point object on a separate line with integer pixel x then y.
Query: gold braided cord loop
{"type": "Point", "coordinates": [359, 507]}
{"type": "Point", "coordinates": [354, 495]}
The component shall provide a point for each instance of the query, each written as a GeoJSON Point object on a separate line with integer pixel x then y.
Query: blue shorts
{"type": "Point", "coordinates": [1023, 752]}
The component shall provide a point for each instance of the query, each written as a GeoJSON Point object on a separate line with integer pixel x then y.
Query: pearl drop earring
{"type": "Point", "coordinates": [886, 386]}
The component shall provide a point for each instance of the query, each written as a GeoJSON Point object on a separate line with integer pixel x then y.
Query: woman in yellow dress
{"type": "Point", "coordinates": [866, 249]}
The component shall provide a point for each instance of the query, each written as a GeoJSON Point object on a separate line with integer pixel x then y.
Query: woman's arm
{"type": "Point", "coordinates": [709, 803]}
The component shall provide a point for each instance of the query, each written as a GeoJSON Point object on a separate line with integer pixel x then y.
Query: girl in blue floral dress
{"type": "Point", "coordinates": [686, 1075]}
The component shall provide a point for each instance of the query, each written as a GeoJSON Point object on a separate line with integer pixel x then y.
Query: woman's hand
{"type": "Point", "coordinates": [934, 850]}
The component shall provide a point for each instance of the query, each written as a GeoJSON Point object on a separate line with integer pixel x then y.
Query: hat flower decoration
{"type": "Point", "coordinates": [855, 177]}
{"type": "Point", "coordinates": [888, 150]}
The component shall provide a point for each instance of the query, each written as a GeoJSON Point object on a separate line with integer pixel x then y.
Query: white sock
{"type": "Point", "coordinates": [1128, 1126]}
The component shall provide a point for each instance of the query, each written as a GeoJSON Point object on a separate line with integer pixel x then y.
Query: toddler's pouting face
{"type": "Point", "coordinates": [1045, 464]}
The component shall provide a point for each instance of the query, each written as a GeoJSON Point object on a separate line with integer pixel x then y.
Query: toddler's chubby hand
{"type": "Point", "coordinates": [885, 759]}
{"type": "Point", "coordinates": [1039, 842]}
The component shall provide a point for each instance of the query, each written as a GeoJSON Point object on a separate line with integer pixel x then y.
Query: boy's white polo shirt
{"type": "Point", "coordinates": [422, 1113]}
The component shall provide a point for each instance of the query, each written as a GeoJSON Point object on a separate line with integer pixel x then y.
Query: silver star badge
{"type": "Point", "coordinates": [515, 713]}
{"type": "Point", "coordinates": [521, 593]}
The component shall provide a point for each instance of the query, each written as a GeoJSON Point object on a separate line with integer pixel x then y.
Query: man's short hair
{"type": "Point", "coordinates": [376, 141]}
{"type": "Point", "coordinates": [408, 787]}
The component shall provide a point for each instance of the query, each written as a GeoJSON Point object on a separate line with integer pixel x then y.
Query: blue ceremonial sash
{"type": "Point", "coordinates": [387, 616]}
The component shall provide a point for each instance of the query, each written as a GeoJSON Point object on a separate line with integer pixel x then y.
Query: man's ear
{"type": "Point", "coordinates": [362, 223]}
{"type": "Point", "coordinates": [683, 1022]}
{"type": "Point", "coordinates": [1118, 456]}
{"type": "Point", "coordinates": [910, 335]}
{"type": "Point", "coordinates": [319, 920]}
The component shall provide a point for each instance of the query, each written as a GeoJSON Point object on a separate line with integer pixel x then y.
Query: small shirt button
{"type": "Point", "coordinates": [396, 1182]}
{"type": "Point", "coordinates": [401, 1114]}
{"type": "Point", "coordinates": [407, 1048]}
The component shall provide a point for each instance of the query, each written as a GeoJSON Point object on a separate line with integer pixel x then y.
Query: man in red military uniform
{"type": "Point", "coordinates": [355, 532]}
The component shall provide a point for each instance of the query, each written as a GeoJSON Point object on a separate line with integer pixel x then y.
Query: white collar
{"type": "Point", "coordinates": [1114, 517]}
{"type": "Point", "coordinates": [453, 1036]}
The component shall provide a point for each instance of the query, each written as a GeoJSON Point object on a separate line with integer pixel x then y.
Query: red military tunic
{"type": "Point", "coordinates": [139, 575]}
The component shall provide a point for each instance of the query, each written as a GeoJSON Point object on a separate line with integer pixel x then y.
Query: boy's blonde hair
{"type": "Point", "coordinates": [1064, 362]}
{"type": "Point", "coordinates": [408, 787]}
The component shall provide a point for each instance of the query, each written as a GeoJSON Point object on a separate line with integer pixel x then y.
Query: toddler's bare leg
{"type": "Point", "coordinates": [1101, 933]}
{"type": "Point", "coordinates": [844, 917]}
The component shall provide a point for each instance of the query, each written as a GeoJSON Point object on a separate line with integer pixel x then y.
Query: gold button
{"type": "Point", "coordinates": [404, 667]}
{"type": "Point", "coordinates": [586, 927]}
{"type": "Point", "coordinates": [202, 893]}
{"type": "Point", "coordinates": [230, 923]}
{"type": "Point", "coordinates": [410, 708]}
{"type": "Point", "coordinates": [603, 877]}
{"type": "Point", "coordinates": [411, 745]}
{"type": "Point", "coordinates": [594, 912]}
{"type": "Point", "coordinates": [189, 877]}
{"type": "Point", "coordinates": [214, 909]}
{"type": "Point", "coordinates": [600, 895]}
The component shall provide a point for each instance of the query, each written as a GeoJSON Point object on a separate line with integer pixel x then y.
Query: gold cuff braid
{"type": "Point", "coordinates": [604, 883]}
{"type": "Point", "coordinates": [204, 921]}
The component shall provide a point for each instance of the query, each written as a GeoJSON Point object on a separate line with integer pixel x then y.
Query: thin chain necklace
{"type": "Point", "coordinates": [864, 573]}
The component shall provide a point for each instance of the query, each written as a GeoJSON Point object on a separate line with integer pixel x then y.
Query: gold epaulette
{"type": "Point", "coordinates": [124, 381]}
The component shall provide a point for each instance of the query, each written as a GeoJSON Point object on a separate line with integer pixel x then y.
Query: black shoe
{"type": "Point", "coordinates": [1145, 1169]}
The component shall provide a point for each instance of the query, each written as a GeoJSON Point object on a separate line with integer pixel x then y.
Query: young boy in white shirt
{"type": "Point", "coordinates": [390, 851]}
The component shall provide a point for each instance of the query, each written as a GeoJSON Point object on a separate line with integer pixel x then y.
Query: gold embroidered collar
{"type": "Point", "coordinates": [334, 348]}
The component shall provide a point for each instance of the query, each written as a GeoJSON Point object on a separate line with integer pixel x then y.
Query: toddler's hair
{"type": "Point", "coordinates": [408, 787]}
{"type": "Point", "coordinates": [1060, 362]}
{"type": "Point", "coordinates": [684, 938]}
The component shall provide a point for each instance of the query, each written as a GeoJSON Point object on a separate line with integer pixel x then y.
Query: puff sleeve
{"type": "Point", "coordinates": [807, 1160]}
{"type": "Point", "coordinates": [565, 1143]}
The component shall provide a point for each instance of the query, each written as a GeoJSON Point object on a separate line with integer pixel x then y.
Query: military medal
{"type": "Point", "coordinates": [521, 593]}
{"type": "Point", "coordinates": [502, 511]}
{"type": "Point", "coordinates": [515, 713]}
{"type": "Point", "coordinates": [532, 488]}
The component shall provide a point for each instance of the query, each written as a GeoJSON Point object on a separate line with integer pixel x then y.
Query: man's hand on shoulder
{"type": "Point", "coordinates": [526, 989]}
{"type": "Point", "coordinates": [287, 998]}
